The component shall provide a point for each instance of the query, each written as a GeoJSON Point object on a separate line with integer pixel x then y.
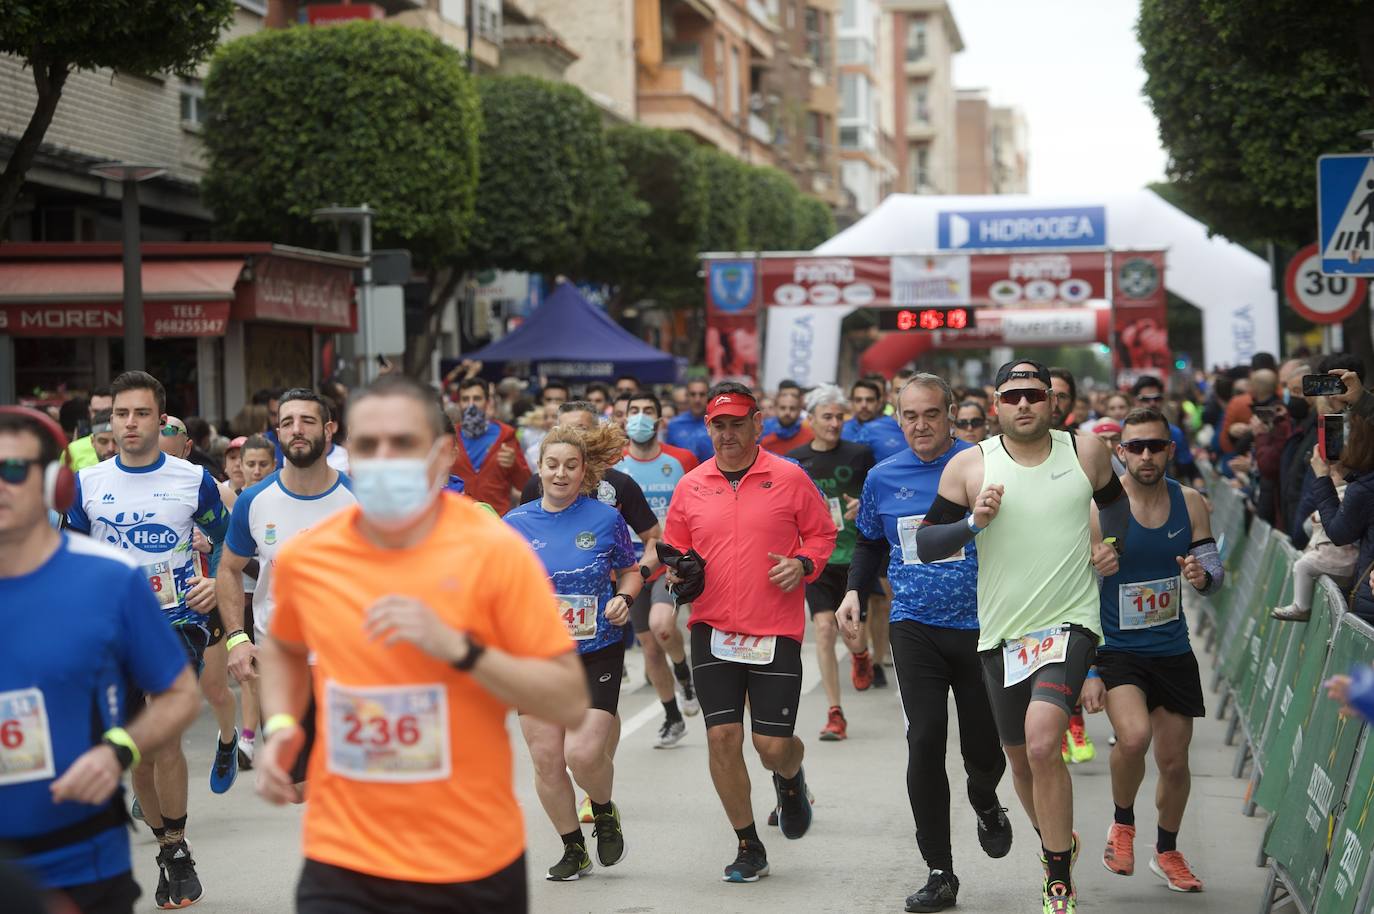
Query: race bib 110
{"type": "Point", "coordinates": [1147, 604]}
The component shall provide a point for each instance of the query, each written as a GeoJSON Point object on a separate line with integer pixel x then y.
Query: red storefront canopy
{"type": "Point", "coordinates": [189, 290]}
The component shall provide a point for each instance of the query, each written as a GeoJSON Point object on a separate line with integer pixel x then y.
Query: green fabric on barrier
{"type": "Point", "coordinates": [1239, 624]}
{"type": "Point", "coordinates": [1301, 835]}
{"type": "Point", "coordinates": [1298, 687]}
{"type": "Point", "coordinates": [1258, 677]}
{"type": "Point", "coordinates": [1354, 840]}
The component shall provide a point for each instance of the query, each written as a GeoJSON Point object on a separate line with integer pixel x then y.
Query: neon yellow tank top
{"type": "Point", "coordinates": [1034, 559]}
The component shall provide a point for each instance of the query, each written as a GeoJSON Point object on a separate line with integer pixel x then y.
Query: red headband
{"type": "Point", "coordinates": [730, 405]}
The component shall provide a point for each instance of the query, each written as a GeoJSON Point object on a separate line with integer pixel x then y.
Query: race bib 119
{"type": "Point", "coordinates": [1023, 656]}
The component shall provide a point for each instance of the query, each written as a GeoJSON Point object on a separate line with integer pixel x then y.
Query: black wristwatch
{"type": "Point", "coordinates": [466, 662]}
{"type": "Point", "coordinates": [808, 566]}
{"type": "Point", "coordinates": [644, 572]}
{"type": "Point", "coordinates": [122, 752]}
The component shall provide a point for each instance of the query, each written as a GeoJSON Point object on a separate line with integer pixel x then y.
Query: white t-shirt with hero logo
{"type": "Point", "coordinates": [266, 516]}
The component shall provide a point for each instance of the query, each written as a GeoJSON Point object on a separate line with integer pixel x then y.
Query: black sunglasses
{"type": "Point", "coordinates": [15, 470]}
{"type": "Point", "coordinates": [1017, 394]}
{"type": "Point", "coordinates": [970, 423]}
{"type": "Point", "coordinates": [1141, 445]}
{"type": "Point", "coordinates": [1158, 399]}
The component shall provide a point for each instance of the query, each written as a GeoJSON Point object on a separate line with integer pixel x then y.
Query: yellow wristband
{"type": "Point", "coordinates": [120, 737]}
{"type": "Point", "coordinates": [277, 722]}
{"type": "Point", "coordinates": [236, 640]}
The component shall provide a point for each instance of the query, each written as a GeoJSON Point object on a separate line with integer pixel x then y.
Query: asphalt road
{"type": "Point", "coordinates": [860, 854]}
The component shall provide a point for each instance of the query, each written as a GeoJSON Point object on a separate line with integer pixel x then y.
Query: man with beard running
{"type": "Point", "coordinates": [1147, 669]}
{"type": "Point", "coordinates": [1030, 490]}
{"type": "Point", "coordinates": [300, 495]}
{"type": "Point", "coordinates": [934, 627]}
{"type": "Point", "coordinates": [760, 530]}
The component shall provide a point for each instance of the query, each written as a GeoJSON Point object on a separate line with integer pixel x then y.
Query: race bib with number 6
{"type": "Point", "coordinates": [25, 743]}
{"type": "Point", "coordinates": [163, 582]}
{"type": "Point", "coordinates": [394, 734]}
{"type": "Point", "coordinates": [1023, 656]}
{"type": "Point", "coordinates": [579, 615]}
{"type": "Point", "coordinates": [906, 535]}
{"type": "Point", "coordinates": [752, 649]}
{"type": "Point", "coordinates": [1146, 604]}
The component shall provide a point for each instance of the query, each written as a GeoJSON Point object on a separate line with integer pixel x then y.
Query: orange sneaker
{"type": "Point", "coordinates": [835, 727]}
{"type": "Point", "coordinates": [1173, 869]}
{"type": "Point", "coordinates": [1119, 857]}
{"type": "Point", "coordinates": [861, 671]}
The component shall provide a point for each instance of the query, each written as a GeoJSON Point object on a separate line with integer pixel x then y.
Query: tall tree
{"type": "Point", "coordinates": [1248, 93]}
{"type": "Point", "coordinates": [360, 113]}
{"type": "Point", "coordinates": [56, 37]}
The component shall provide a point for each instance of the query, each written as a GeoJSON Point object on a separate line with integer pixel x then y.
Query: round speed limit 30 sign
{"type": "Point", "coordinates": [1319, 298]}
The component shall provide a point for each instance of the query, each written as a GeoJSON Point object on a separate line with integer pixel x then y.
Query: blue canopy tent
{"type": "Point", "coordinates": [569, 338]}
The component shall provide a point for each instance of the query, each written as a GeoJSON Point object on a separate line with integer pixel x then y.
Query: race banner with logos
{"type": "Point", "coordinates": [1039, 280]}
{"type": "Point", "coordinates": [1140, 323]}
{"type": "Point", "coordinates": [732, 320]}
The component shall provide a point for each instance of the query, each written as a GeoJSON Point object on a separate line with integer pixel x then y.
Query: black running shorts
{"type": "Point", "coordinates": [603, 669]}
{"type": "Point", "coordinates": [824, 594]}
{"type": "Point", "coordinates": [773, 691]}
{"type": "Point", "coordinates": [649, 594]}
{"type": "Point", "coordinates": [1057, 683]}
{"type": "Point", "coordinates": [198, 632]}
{"type": "Point", "coordinates": [1172, 683]}
{"type": "Point", "coordinates": [328, 889]}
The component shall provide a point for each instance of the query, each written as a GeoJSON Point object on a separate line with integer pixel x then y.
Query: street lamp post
{"type": "Point", "coordinates": [342, 216]}
{"type": "Point", "coordinates": [129, 174]}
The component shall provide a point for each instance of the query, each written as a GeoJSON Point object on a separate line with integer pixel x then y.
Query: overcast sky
{"type": "Point", "coordinates": [1073, 68]}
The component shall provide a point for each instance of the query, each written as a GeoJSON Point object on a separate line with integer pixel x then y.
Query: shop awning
{"type": "Point", "coordinates": [85, 298]}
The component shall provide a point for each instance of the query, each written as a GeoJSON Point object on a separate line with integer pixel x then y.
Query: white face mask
{"type": "Point", "coordinates": [394, 491]}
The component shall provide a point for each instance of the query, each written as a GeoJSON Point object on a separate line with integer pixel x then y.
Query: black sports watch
{"type": "Point", "coordinates": [122, 752]}
{"type": "Point", "coordinates": [808, 566]}
{"type": "Point", "coordinates": [466, 662]}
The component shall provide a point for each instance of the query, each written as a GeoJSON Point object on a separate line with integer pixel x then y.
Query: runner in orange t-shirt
{"type": "Point", "coordinates": [427, 619]}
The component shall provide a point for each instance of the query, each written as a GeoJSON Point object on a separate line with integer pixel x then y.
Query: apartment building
{"type": "Point", "coordinates": [867, 173]}
{"type": "Point", "coordinates": [992, 143]}
{"type": "Point", "coordinates": [924, 39]}
{"type": "Point", "coordinates": [801, 100]}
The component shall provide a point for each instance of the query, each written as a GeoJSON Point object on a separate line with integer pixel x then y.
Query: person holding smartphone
{"type": "Point", "coordinates": [1351, 520]}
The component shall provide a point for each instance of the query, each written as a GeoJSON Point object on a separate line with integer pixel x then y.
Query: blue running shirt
{"type": "Point", "coordinates": [883, 435]}
{"type": "Point", "coordinates": [1142, 608]}
{"type": "Point", "coordinates": [580, 546]}
{"type": "Point", "coordinates": [148, 512]}
{"type": "Point", "coordinates": [79, 630]}
{"type": "Point", "coordinates": [657, 478]}
{"type": "Point", "coordinates": [897, 494]}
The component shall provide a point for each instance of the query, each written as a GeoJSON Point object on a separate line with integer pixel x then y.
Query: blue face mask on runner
{"type": "Point", "coordinates": [640, 428]}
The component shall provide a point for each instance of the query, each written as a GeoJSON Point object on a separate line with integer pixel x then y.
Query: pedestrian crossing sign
{"type": "Point", "coordinates": [1345, 213]}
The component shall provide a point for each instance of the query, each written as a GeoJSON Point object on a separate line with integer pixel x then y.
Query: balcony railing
{"type": "Point", "coordinates": [699, 87]}
{"type": "Point", "coordinates": [759, 129]}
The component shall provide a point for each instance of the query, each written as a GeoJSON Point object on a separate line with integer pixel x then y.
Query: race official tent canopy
{"type": "Point", "coordinates": [569, 338]}
{"type": "Point", "coordinates": [1229, 284]}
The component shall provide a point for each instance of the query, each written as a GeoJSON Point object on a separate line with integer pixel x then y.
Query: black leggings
{"type": "Point", "coordinates": [929, 662]}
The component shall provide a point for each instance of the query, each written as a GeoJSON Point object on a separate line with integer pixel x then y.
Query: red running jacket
{"type": "Point", "coordinates": [777, 508]}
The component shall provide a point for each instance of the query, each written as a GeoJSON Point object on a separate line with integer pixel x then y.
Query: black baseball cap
{"type": "Point", "coordinates": [1005, 373]}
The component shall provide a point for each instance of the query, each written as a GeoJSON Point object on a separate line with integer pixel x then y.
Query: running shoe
{"type": "Point", "coordinates": [1081, 747]}
{"type": "Point", "coordinates": [671, 733]}
{"type": "Point", "coordinates": [794, 806]}
{"type": "Point", "coordinates": [225, 769]}
{"type": "Point", "coordinates": [687, 697]}
{"type": "Point", "coordinates": [1111, 740]}
{"type": "Point", "coordinates": [574, 865]}
{"type": "Point", "coordinates": [1073, 862]}
{"type": "Point", "coordinates": [137, 811]}
{"type": "Point", "coordinates": [836, 728]}
{"type": "Point", "coordinates": [879, 676]}
{"type": "Point", "coordinates": [245, 753]}
{"type": "Point", "coordinates": [161, 894]}
{"type": "Point", "coordinates": [584, 810]}
{"type": "Point", "coordinates": [773, 817]}
{"type": "Point", "coordinates": [1291, 613]}
{"type": "Point", "coordinates": [1119, 857]}
{"type": "Point", "coordinates": [1173, 869]}
{"type": "Point", "coordinates": [750, 863]}
{"type": "Point", "coordinates": [941, 891]}
{"type": "Point", "coordinates": [1064, 748]}
{"type": "Point", "coordinates": [994, 832]}
{"type": "Point", "coordinates": [1058, 898]}
{"type": "Point", "coordinates": [861, 671]}
{"type": "Point", "coordinates": [610, 840]}
{"type": "Point", "coordinates": [183, 885]}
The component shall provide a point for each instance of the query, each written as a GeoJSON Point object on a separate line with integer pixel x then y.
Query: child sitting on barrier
{"type": "Point", "coordinates": [1320, 557]}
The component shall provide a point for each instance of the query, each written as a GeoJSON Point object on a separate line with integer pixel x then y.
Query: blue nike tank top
{"type": "Point", "coordinates": [1142, 604]}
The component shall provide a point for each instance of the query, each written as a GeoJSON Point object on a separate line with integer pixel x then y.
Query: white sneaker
{"type": "Point", "coordinates": [670, 734]}
{"type": "Point", "coordinates": [245, 753]}
{"type": "Point", "coordinates": [687, 699]}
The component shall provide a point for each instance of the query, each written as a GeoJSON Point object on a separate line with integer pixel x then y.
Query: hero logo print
{"type": "Point", "coordinates": [136, 533]}
{"type": "Point", "coordinates": [107, 499]}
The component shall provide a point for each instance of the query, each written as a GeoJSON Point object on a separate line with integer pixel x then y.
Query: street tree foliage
{"type": "Point", "coordinates": [665, 172]}
{"type": "Point", "coordinates": [772, 210]}
{"type": "Point", "coordinates": [55, 37]}
{"type": "Point", "coordinates": [815, 222]}
{"type": "Point", "coordinates": [550, 193]}
{"type": "Point", "coordinates": [1247, 94]}
{"type": "Point", "coordinates": [367, 112]}
{"type": "Point", "coordinates": [727, 186]}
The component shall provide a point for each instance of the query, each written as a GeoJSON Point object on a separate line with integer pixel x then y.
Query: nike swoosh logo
{"type": "Point", "coordinates": [1174, 533]}
{"type": "Point", "coordinates": [1058, 475]}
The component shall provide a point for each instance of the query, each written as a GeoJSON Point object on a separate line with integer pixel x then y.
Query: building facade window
{"type": "Point", "coordinates": [849, 14]}
{"type": "Point", "coordinates": [733, 87]}
{"type": "Point", "coordinates": [192, 104]}
{"type": "Point", "coordinates": [915, 40]}
{"type": "Point", "coordinates": [815, 38]}
{"type": "Point", "coordinates": [920, 168]}
{"type": "Point", "coordinates": [919, 93]}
